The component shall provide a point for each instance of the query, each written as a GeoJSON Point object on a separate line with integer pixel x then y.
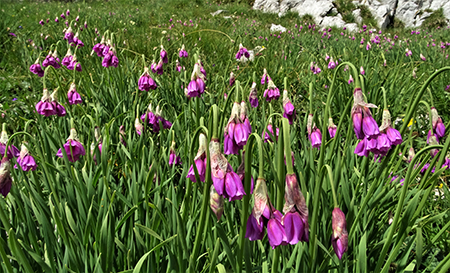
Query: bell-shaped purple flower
{"type": "Point", "coordinates": [226, 182]}
{"type": "Point", "coordinates": [60, 111]}
{"type": "Point", "coordinates": [183, 53]}
{"type": "Point", "coordinates": [383, 144]}
{"type": "Point", "coordinates": [438, 125]}
{"type": "Point", "coordinates": [73, 148]}
{"type": "Point", "coordinates": [98, 48]}
{"type": "Point", "coordinates": [74, 97]}
{"type": "Point", "coordinates": [316, 137]}
{"type": "Point", "coordinates": [264, 77]}
{"type": "Point", "coordinates": [230, 144]}
{"type": "Point", "coordinates": [268, 137]}
{"type": "Point", "coordinates": [370, 126]}
{"type": "Point", "coordinates": [288, 107]}
{"type": "Point", "coordinates": [37, 69]}
{"type": "Point", "coordinates": [253, 97]}
{"type": "Point", "coordinates": [196, 86]}
{"type": "Point", "coordinates": [261, 212]}
{"type": "Point", "coordinates": [25, 160]}
{"type": "Point", "coordinates": [146, 82]}
{"type": "Point", "coordinates": [174, 159]}
{"type": "Point", "coordinates": [44, 106]}
{"type": "Point", "coordinates": [275, 230]}
{"type": "Point", "coordinates": [12, 150]}
{"type": "Point", "coordinates": [361, 148]}
{"type": "Point", "coordinates": [272, 92]}
{"type": "Point", "coordinates": [5, 176]}
{"type": "Point", "coordinates": [295, 219]}
{"type": "Point", "coordinates": [111, 59]}
{"type": "Point", "coordinates": [74, 64]}
{"type": "Point", "coordinates": [68, 35]}
{"type": "Point", "coordinates": [339, 237]}
{"type": "Point", "coordinates": [159, 67]}
{"type": "Point", "coordinates": [232, 79]}
{"type": "Point", "coordinates": [332, 128]}
{"type": "Point", "coordinates": [243, 52]}
{"type": "Point", "coordinates": [163, 55]}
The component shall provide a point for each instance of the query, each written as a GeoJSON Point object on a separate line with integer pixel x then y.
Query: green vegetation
{"type": "Point", "coordinates": [435, 20]}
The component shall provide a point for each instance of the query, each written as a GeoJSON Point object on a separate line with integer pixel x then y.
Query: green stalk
{"type": "Point", "coordinates": [208, 181]}
{"type": "Point", "coordinates": [384, 98]}
{"type": "Point", "coordinates": [330, 177]}
{"type": "Point", "coordinates": [310, 98]}
{"type": "Point", "coordinates": [236, 96]}
{"type": "Point", "coordinates": [287, 146]}
{"type": "Point", "coordinates": [429, 111]}
{"type": "Point", "coordinates": [247, 187]}
{"type": "Point", "coordinates": [399, 209]}
{"type": "Point", "coordinates": [431, 97]}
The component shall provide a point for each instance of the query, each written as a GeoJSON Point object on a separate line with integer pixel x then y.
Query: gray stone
{"type": "Point", "coordinates": [446, 9]}
{"type": "Point", "coordinates": [381, 12]}
{"type": "Point", "coordinates": [268, 6]}
{"type": "Point", "coordinates": [357, 14]}
{"type": "Point", "coordinates": [339, 15]}
{"type": "Point", "coordinates": [332, 22]}
{"type": "Point", "coordinates": [407, 12]}
{"type": "Point", "coordinates": [287, 5]}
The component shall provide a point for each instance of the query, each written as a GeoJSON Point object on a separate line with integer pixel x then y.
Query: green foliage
{"type": "Point", "coordinates": [345, 8]}
{"type": "Point", "coordinates": [435, 20]}
{"type": "Point", "coordinates": [367, 16]}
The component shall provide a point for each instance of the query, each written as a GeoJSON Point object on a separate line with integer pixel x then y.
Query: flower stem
{"type": "Point", "coordinates": [431, 97]}
{"type": "Point", "coordinates": [429, 114]}
{"type": "Point", "coordinates": [310, 97]}
{"type": "Point", "coordinates": [330, 178]}
{"type": "Point", "coordinates": [384, 98]}
{"type": "Point", "coordinates": [287, 146]}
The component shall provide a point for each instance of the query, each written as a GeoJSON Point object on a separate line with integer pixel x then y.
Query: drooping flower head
{"type": "Point", "coordinates": [350, 79]}
{"type": "Point", "coordinates": [438, 124]}
{"type": "Point", "coordinates": [12, 150]}
{"type": "Point", "coordinates": [332, 64]}
{"type": "Point", "coordinates": [174, 159]}
{"type": "Point", "coordinates": [243, 129]}
{"type": "Point", "coordinates": [196, 86]}
{"type": "Point", "coordinates": [74, 97]}
{"type": "Point", "coordinates": [37, 69]}
{"type": "Point", "coordinates": [60, 111]}
{"type": "Point", "coordinates": [268, 137]}
{"type": "Point", "coordinates": [44, 106]}
{"type": "Point", "coordinates": [288, 107]}
{"type": "Point", "coordinates": [242, 52]}
{"type": "Point", "coordinates": [295, 220]}
{"type": "Point", "coordinates": [339, 237]}
{"type": "Point", "coordinates": [272, 92]}
{"type": "Point", "coordinates": [5, 176]}
{"type": "Point", "coordinates": [253, 97]}
{"type": "Point", "coordinates": [261, 212]}
{"type": "Point", "coordinates": [178, 66]}
{"type": "Point", "coordinates": [392, 134]}
{"type": "Point", "coordinates": [138, 126]}
{"type": "Point", "coordinates": [199, 161]}
{"type": "Point", "coordinates": [50, 61]}
{"type": "Point", "coordinates": [235, 133]}
{"type": "Point", "coordinates": [226, 182]}
{"type": "Point", "coordinates": [362, 71]}
{"type": "Point", "coordinates": [422, 57]}
{"type": "Point", "coordinates": [68, 35]}
{"type": "Point", "coordinates": [314, 133]}
{"type": "Point", "coordinates": [332, 128]}
{"type": "Point", "coordinates": [74, 149]}
{"type": "Point", "coordinates": [363, 122]}
{"type": "Point", "coordinates": [146, 82]}
{"type": "Point", "coordinates": [68, 58]}
{"type": "Point", "coordinates": [232, 79]}
{"type": "Point", "coordinates": [98, 48]}
{"type": "Point", "coordinates": [408, 52]}
{"type": "Point", "coordinates": [76, 41]}
{"type": "Point", "coordinates": [74, 64]}
{"type": "Point", "coordinates": [264, 77]}
{"type": "Point", "coordinates": [110, 58]}
{"type": "Point", "coordinates": [163, 55]}
{"type": "Point", "coordinates": [183, 53]}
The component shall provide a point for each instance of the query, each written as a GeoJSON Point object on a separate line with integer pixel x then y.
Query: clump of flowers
{"type": "Point", "coordinates": [73, 147]}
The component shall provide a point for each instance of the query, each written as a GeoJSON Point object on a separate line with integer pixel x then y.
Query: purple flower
{"type": "Point", "coordinates": [174, 159]}
{"type": "Point", "coordinates": [315, 137]}
{"type": "Point", "coordinates": [199, 160]}
{"type": "Point", "coordinates": [183, 53]}
{"type": "Point", "coordinates": [296, 212]}
{"type": "Point", "coordinates": [350, 80]}
{"type": "Point", "coordinates": [438, 125]}
{"type": "Point", "coordinates": [272, 92]}
{"type": "Point", "coordinates": [12, 150]}
{"type": "Point", "coordinates": [361, 69]}
{"type": "Point", "coordinates": [242, 52]}
{"type": "Point", "coordinates": [63, 16]}
{"type": "Point", "coordinates": [74, 64]}
{"type": "Point", "coordinates": [159, 67]}
{"type": "Point", "coordinates": [44, 106]}
{"type": "Point", "coordinates": [50, 60]}
{"type": "Point", "coordinates": [74, 97]}
{"type": "Point", "coordinates": [111, 59]}
{"type": "Point", "coordinates": [98, 48]}
{"type": "Point", "coordinates": [73, 148]}
{"type": "Point", "coordinates": [339, 237]}
{"type": "Point", "coordinates": [261, 212]}
{"type": "Point", "coordinates": [232, 79]}
{"type": "Point", "coordinates": [226, 182]}
{"type": "Point", "coordinates": [56, 19]}
{"type": "Point", "coordinates": [268, 137]}
{"type": "Point", "coordinates": [332, 64]}
{"type": "Point", "coordinates": [41, 22]}
{"type": "Point", "coordinates": [383, 144]}
{"type": "Point", "coordinates": [5, 176]}
{"type": "Point", "coordinates": [196, 86]}
{"type": "Point", "coordinates": [264, 76]}
{"type": "Point", "coordinates": [288, 107]}
{"type": "Point", "coordinates": [332, 128]}
{"type": "Point", "coordinates": [361, 148]}
{"type": "Point", "coordinates": [146, 82]}
{"type": "Point", "coordinates": [37, 69]}
{"type": "Point", "coordinates": [68, 35]}
{"type": "Point", "coordinates": [253, 96]}
{"type": "Point", "coordinates": [68, 12]}
{"type": "Point", "coordinates": [363, 122]}
{"type": "Point", "coordinates": [138, 126]}
{"type": "Point", "coordinates": [163, 55]}
{"type": "Point", "coordinates": [76, 41]}
{"type": "Point", "coordinates": [26, 161]}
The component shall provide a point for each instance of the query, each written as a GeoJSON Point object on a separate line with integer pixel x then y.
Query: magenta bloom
{"type": "Point", "coordinates": [138, 126]}
{"type": "Point", "coordinates": [50, 60]}
{"type": "Point", "coordinates": [339, 238]}
{"type": "Point", "coordinates": [226, 182]}
{"type": "Point", "coordinates": [110, 59]}
{"type": "Point", "coordinates": [316, 137]}
{"type": "Point", "coordinates": [201, 168]}
{"type": "Point", "coordinates": [68, 35]}
{"type": "Point", "coordinates": [275, 230]}
{"type": "Point", "coordinates": [76, 41]}
{"type": "Point", "coordinates": [295, 219]}
{"type": "Point", "coordinates": [383, 144]}
{"type": "Point", "coordinates": [67, 59]}
{"type": "Point", "coordinates": [363, 122]}
{"type": "Point", "coordinates": [332, 64]}
{"type": "Point", "coordinates": [394, 136]}
{"type": "Point", "coordinates": [146, 82]}
{"type": "Point", "coordinates": [63, 16]}
{"type": "Point", "coordinates": [12, 150]}
{"type": "Point", "coordinates": [253, 97]}
{"type": "Point", "coordinates": [268, 137]}
{"type": "Point", "coordinates": [5, 176]}
{"type": "Point", "coordinates": [26, 161]}
{"type": "Point", "coordinates": [438, 125]}
{"type": "Point", "coordinates": [159, 67]}
{"type": "Point", "coordinates": [44, 106]}
{"type": "Point", "coordinates": [261, 212]}
{"type": "Point", "coordinates": [41, 22]}
{"type": "Point", "coordinates": [174, 159]}
{"type": "Point", "coordinates": [98, 48]}
{"type": "Point", "coordinates": [232, 79]}
{"type": "Point", "coordinates": [361, 148]}
{"type": "Point", "coordinates": [196, 86]}
{"type": "Point", "coordinates": [74, 64]}
{"type": "Point", "coordinates": [272, 92]}
{"type": "Point", "coordinates": [73, 148]}
{"type": "Point", "coordinates": [289, 110]}
{"type": "Point", "coordinates": [332, 128]}
{"type": "Point", "coordinates": [264, 77]}
{"type": "Point", "coordinates": [183, 53]}
{"type": "Point", "coordinates": [37, 69]}
{"type": "Point", "coordinates": [74, 97]}
{"type": "Point", "coordinates": [243, 52]}
{"type": "Point", "coordinates": [163, 55]}
{"type": "Point", "coordinates": [56, 19]}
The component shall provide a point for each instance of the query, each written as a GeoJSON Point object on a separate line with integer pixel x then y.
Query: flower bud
{"type": "Point", "coordinates": [339, 238]}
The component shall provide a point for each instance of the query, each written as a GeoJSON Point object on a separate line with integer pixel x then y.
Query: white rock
{"type": "Point", "coordinates": [218, 12]}
{"type": "Point", "coordinates": [317, 9]}
{"type": "Point", "coordinates": [332, 22]}
{"type": "Point", "coordinates": [446, 9]}
{"type": "Point", "coordinates": [357, 14]}
{"type": "Point", "coordinates": [277, 28]}
{"type": "Point", "coordinates": [380, 11]}
{"type": "Point", "coordinates": [351, 27]}
{"type": "Point", "coordinates": [407, 12]}
{"type": "Point", "coordinates": [269, 6]}
{"type": "Point", "coordinates": [339, 15]}
{"type": "Point", "coordinates": [287, 5]}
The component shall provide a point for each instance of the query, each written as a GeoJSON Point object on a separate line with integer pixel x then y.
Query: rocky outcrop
{"type": "Point", "coordinates": [411, 12]}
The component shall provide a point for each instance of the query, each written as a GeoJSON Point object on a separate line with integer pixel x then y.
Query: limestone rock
{"type": "Point", "coordinates": [380, 11]}
{"type": "Point", "coordinates": [287, 5]}
{"type": "Point", "coordinates": [268, 6]}
{"type": "Point", "coordinates": [332, 22]}
{"type": "Point", "coordinates": [277, 28]}
{"type": "Point", "coordinates": [317, 9]}
{"type": "Point", "coordinates": [357, 14]}
{"type": "Point", "coordinates": [218, 12]}
{"type": "Point", "coordinates": [407, 12]}
{"type": "Point", "coordinates": [352, 27]}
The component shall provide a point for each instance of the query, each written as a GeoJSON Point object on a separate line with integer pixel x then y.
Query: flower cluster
{"type": "Point", "coordinates": [73, 147]}
{"type": "Point", "coordinates": [49, 106]}
{"type": "Point", "coordinates": [196, 86]}
{"type": "Point", "coordinates": [242, 52]}
{"type": "Point", "coordinates": [314, 133]}
{"type": "Point", "coordinates": [146, 82]}
{"type": "Point", "coordinates": [237, 130]}
{"type": "Point", "coordinates": [154, 119]}
{"type": "Point", "coordinates": [199, 161]}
